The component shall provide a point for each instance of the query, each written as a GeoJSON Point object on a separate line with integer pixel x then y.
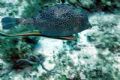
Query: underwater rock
{"type": "Point", "coordinates": [110, 6]}
{"type": "Point", "coordinates": [29, 61]}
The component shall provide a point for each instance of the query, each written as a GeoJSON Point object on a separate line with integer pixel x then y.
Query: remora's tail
{"type": "Point", "coordinates": [8, 22]}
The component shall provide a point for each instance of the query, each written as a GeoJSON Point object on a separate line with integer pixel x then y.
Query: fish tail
{"type": "Point", "coordinates": [8, 22]}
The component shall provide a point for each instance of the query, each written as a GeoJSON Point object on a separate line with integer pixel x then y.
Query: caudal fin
{"type": "Point", "coordinates": [8, 22]}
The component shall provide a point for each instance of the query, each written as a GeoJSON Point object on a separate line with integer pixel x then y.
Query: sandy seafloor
{"type": "Point", "coordinates": [83, 58]}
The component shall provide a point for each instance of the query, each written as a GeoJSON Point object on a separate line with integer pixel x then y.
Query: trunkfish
{"type": "Point", "coordinates": [59, 21]}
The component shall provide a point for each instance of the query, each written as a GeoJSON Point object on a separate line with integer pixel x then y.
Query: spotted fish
{"type": "Point", "coordinates": [58, 21]}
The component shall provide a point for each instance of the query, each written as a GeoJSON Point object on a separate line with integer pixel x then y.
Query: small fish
{"type": "Point", "coordinates": [60, 21]}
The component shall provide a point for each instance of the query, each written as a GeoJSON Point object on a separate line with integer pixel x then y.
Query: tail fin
{"type": "Point", "coordinates": [8, 22]}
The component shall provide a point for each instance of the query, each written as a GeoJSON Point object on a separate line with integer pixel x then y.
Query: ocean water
{"type": "Point", "coordinates": [94, 55]}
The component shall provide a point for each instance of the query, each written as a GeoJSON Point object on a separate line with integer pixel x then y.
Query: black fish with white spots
{"type": "Point", "coordinates": [58, 21]}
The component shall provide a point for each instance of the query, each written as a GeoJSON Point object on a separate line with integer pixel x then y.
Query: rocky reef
{"type": "Point", "coordinates": [94, 55]}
